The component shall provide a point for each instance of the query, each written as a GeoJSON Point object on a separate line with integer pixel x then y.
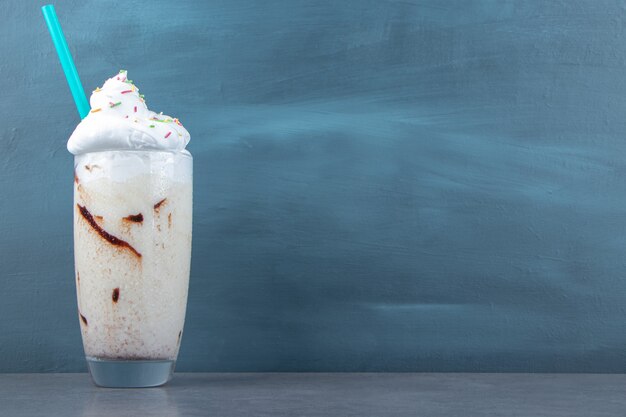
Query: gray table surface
{"type": "Point", "coordinates": [320, 394]}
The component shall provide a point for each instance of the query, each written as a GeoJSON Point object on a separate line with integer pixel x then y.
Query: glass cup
{"type": "Point", "coordinates": [132, 252]}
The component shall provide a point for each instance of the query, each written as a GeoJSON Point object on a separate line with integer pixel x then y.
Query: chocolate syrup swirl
{"type": "Point", "coordinates": [136, 218]}
{"type": "Point", "coordinates": [103, 233]}
{"type": "Point", "coordinates": [158, 205]}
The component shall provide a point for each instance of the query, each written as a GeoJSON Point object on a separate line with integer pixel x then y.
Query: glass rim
{"type": "Point", "coordinates": [184, 153]}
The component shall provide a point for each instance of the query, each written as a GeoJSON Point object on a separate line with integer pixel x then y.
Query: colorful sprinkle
{"type": "Point", "coordinates": [151, 125]}
{"type": "Point", "coordinates": [168, 135]}
{"type": "Point", "coordinates": [122, 71]}
{"type": "Point", "coordinates": [97, 90]}
{"type": "Point", "coordinates": [96, 110]}
{"type": "Point", "coordinates": [114, 104]}
{"type": "Point", "coordinates": [126, 91]}
{"type": "Point", "coordinates": [135, 109]}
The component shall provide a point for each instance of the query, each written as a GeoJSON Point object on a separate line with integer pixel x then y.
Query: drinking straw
{"type": "Point", "coordinates": [66, 60]}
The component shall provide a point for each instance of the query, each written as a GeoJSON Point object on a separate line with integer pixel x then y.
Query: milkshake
{"type": "Point", "coordinates": [132, 236]}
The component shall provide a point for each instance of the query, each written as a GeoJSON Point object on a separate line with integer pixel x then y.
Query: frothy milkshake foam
{"type": "Point", "coordinates": [132, 226]}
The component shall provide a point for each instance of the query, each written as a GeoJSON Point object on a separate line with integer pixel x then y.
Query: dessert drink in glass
{"type": "Point", "coordinates": [132, 236]}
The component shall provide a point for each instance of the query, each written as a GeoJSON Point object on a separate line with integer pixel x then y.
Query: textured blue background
{"type": "Point", "coordinates": [379, 185]}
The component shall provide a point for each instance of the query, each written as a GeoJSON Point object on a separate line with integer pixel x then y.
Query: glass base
{"type": "Point", "coordinates": [131, 373]}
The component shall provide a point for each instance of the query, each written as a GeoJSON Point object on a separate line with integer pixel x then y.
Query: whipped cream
{"type": "Point", "coordinates": [120, 120]}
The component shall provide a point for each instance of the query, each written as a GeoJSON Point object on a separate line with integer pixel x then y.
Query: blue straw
{"type": "Point", "coordinates": [66, 60]}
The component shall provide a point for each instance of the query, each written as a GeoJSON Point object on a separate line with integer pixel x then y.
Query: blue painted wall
{"type": "Point", "coordinates": [398, 185]}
